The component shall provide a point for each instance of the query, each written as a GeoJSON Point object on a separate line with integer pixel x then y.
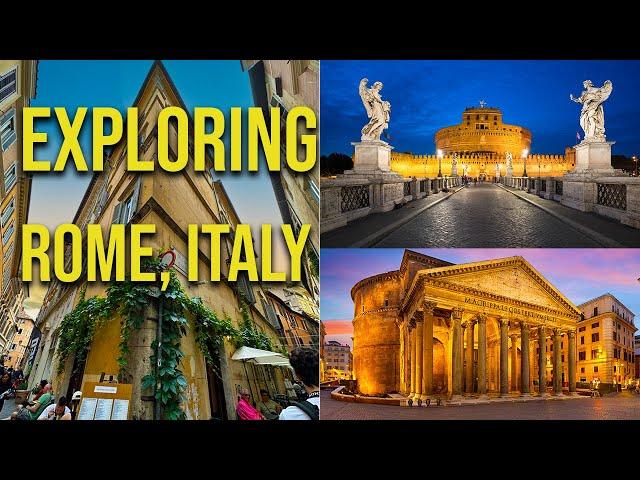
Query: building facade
{"type": "Point", "coordinates": [434, 328]}
{"type": "Point", "coordinates": [18, 80]}
{"type": "Point", "coordinates": [285, 84]}
{"type": "Point", "coordinates": [297, 328]}
{"type": "Point", "coordinates": [323, 333]}
{"type": "Point", "coordinates": [338, 361]}
{"type": "Point", "coordinates": [636, 355]}
{"type": "Point", "coordinates": [20, 344]}
{"type": "Point", "coordinates": [606, 342]}
{"type": "Point", "coordinates": [480, 144]}
{"type": "Point", "coordinates": [171, 202]}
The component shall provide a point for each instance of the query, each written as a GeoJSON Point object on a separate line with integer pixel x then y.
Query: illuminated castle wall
{"type": "Point", "coordinates": [482, 141]}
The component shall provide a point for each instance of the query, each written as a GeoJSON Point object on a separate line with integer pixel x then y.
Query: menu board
{"type": "Point", "coordinates": [105, 401]}
{"type": "Point", "coordinates": [87, 409]}
{"type": "Point", "coordinates": [120, 410]}
{"type": "Point", "coordinates": [103, 409]}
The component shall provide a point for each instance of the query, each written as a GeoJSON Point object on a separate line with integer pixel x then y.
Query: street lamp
{"type": "Point", "coordinates": [525, 152]}
{"type": "Point", "coordinates": [635, 166]}
{"type": "Point", "coordinates": [440, 154]}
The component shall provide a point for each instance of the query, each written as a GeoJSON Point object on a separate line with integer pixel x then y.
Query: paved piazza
{"type": "Point", "coordinates": [485, 215]}
{"type": "Point", "coordinates": [621, 406]}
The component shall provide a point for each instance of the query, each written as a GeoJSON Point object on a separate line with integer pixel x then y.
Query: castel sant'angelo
{"type": "Point", "coordinates": [482, 143]}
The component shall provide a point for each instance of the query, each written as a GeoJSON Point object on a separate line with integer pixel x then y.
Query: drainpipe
{"type": "Point", "coordinates": [157, 414]}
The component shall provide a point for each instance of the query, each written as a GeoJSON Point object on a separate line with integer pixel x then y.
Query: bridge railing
{"type": "Point", "coordinates": [348, 197]}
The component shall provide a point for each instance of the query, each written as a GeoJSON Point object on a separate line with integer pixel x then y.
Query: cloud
{"type": "Point", "coordinates": [338, 327]}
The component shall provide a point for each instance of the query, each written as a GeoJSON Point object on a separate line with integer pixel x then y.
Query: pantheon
{"type": "Point", "coordinates": [476, 329]}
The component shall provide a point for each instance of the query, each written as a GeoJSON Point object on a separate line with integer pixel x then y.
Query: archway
{"type": "Point", "coordinates": [440, 377]}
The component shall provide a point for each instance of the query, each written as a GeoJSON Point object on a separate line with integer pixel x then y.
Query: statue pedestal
{"type": "Point", "coordinates": [593, 162]}
{"type": "Point", "coordinates": [593, 156]}
{"type": "Point", "coordinates": [509, 172]}
{"type": "Point", "coordinates": [370, 187]}
{"type": "Point", "coordinates": [371, 156]}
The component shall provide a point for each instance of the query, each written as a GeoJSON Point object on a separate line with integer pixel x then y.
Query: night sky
{"type": "Point", "coordinates": [580, 274]}
{"type": "Point", "coordinates": [428, 95]}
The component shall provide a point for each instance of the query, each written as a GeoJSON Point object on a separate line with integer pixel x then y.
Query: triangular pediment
{"type": "Point", "coordinates": [512, 277]}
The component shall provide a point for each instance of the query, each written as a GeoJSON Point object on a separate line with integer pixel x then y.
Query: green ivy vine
{"type": "Point", "coordinates": [128, 300]}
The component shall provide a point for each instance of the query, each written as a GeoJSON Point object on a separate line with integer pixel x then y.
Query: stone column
{"type": "Point", "coordinates": [456, 354]}
{"type": "Point", "coordinates": [524, 359]}
{"type": "Point", "coordinates": [504, 357]}
{"type": "Point", "coordinates": [419, 356]}
{"type": "Point", "coordinates": [542, 362]}
{"type": "Point", "coordinates": [412, 360]}
{"type": "Point", "coordinates": [514, 362]}
{"type": "Point", "coordinates": [557, 363]}
{"type": "Point", "coordinates": [572, 362]}
{"type": "Point", "coordinates": [469, 359]}
{"type": "Point", "coordinates": [482, 356]}
{"type": "Point", "coordinates": [402, 364]}
{"type": "Point", "coordinates": [427, 345]}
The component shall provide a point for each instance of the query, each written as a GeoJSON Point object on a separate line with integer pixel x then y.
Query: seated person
{"type": "Point", "coordinates": [269, 409]}
{"type": "Point", "coordinates": [43, 402]}
{"type": "Point", "coordinates": [56, 411]}
{"type": "Point", "coordinates": [43, 383]}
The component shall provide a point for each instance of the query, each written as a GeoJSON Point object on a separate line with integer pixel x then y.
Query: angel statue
{"type": "Point", "coordinates": [377, 110]}
{"type": "Point", "coordinates": [592, 114]}
{"type": "Point", "coordinates": [509, 160]}
{"type": "Point", "coordinates": [454, 162]}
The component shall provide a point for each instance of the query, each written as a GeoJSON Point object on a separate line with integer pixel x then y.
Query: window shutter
{"type": "Point", "coordinates": [136, 195]}
{"type": "Point", "coordinates": [116, 213]}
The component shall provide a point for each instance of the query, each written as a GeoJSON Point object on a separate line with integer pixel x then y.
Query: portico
{"type": "Point", "coordinates": [487, 329]}
{"type": "Point", "coordinates": [493, 319]}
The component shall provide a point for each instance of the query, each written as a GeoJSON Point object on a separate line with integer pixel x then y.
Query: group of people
{"type": "Point", "coordinates": [42, 406]}
{"type": "Point", "coordinates": [467, 180]}
{"type": "Point", "coordinates": [305, 364]}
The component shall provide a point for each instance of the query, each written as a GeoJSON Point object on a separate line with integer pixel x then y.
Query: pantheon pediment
{"type": "Point", "coordinates": [513, 278]}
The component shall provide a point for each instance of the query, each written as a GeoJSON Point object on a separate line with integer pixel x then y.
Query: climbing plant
{"type": "Point", "coordinates": [249, 335]}
{"type": "Point", "coordinates": [128, 300]}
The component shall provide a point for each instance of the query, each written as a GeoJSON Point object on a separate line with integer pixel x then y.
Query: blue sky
{"type": "Point", "coordinates": [427, 95]}
{"type": "Point", "coordinates": [55, 197]}
{"type": "Point", "coordinates": [580, 274]}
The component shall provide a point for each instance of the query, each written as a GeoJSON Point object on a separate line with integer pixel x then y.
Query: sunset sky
{"type": "Point", "coordinates": [580, 274]}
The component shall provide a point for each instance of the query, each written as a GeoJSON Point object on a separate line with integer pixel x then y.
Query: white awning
{"type": "Point", "coordinates": [260, 357]}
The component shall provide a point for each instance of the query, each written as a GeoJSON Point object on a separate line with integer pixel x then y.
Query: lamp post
{"type": "Point", "coordinates": [440, 154]}
{"type": "Point", "coordinates": [525, 152]}
{"type": "Point", "coordinates": [635, 164]}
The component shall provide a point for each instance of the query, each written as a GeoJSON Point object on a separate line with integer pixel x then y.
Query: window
{"type": "Point", "coordinates": [562, 358]}
{"type": "Point", "coordinates": [615, 336]}
{"type": "Point", "coordinates": [594, 354]}
{"type": "Point", "coordinates": [19, 331]}
{"type": "Point", "coordinates": [582, 370]}
{"type": "Point", "coordinates": [595, 313]}
{"type": "Point", "coordinates": [614, 369]}
{"type": "Point", "coordinates": [582, 329]}
{"type": "Point", "coordinates": [386, 302]}
{"type": "Point", "coordinates": [595, 325]}
{"type": "Point", "coordinates": [582, 355]}
{"type": "Point", "coordinates": [8, 129]}
{"type": "Point", "coordinates": [7, 212]}
{"type": "Point", "coordinates": [10, 177]}
{"type": "Point", "coordinates": [124, 210]}
{"type": "Point", "coordinates": [582, 340]}
{"type": "Point", "coordinates": [13, 346]}
{"type": "Point", "coordinates": [595, 369]}
{"type": "Point", "coordinates": [8, 232]}
{"type": "Point", "coordinates": [8, 84]}
{"type": "Point", "coordinates": [595, 337]}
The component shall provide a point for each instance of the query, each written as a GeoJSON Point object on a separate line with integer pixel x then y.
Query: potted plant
{"type": "Point", "coordinates": [22, 392]}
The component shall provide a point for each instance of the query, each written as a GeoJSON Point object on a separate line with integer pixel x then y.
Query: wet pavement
{"type": "Point", "coordinates": [486, 215]}
{"type": "Point", "coordinates": [620, 406]}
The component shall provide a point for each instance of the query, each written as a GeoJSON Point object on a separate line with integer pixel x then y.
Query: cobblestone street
{"type": "Point", "coordinates": [486, 215]}
{"type": "Point", "coordinates": [621, 406]}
